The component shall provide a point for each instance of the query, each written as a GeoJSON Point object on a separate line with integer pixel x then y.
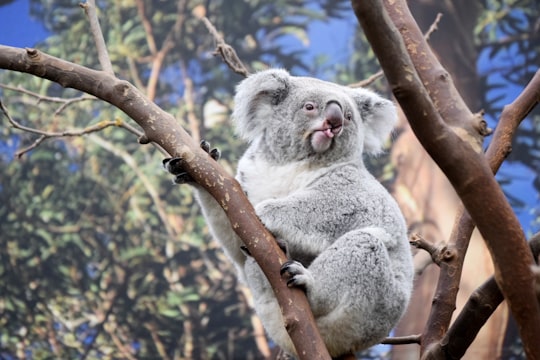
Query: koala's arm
{"type": "Point", "coordinates": [360, 276]}
{"type": "Point", "coordinates": [217, 220]}
{"type": "Point", "coordinates": [343, 199]}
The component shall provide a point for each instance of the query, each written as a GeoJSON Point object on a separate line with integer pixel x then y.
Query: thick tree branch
{"type": "Point", "coordinates": [467, 171]}
{"type": "Point", "coordinates": [435, 78]}
{"type": "Point", "coordinates": [161, 128]}
{"type": "Point", "coordinates": [449, 277]}
{"type": "Point", "coordinates": [450, 274]}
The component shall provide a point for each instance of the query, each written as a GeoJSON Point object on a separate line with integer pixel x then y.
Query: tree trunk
{"type": "Point", "coordinates": [426, 197]}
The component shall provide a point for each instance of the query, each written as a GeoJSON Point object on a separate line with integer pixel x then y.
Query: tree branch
{"type": "Point", "coordinates": [103, 55]}
{"type": "Point", "coordinates": [466, 170]}
{"type": "Point", "coordinates": [481, 304]}
{"type": "Point", "coordinates": [64, 102]}
{"type": "Point", "coordinates": [158, 56]}
{"type": "Point", "coordinates": [450, 274]}
{"type": "Point", "coordinates": [403, 340]}
{"type": "Point", "coordinates": [78, 132]}
{"type": "Point", "coordinates": [227, 52]}
{"type": "Point", "coordinates": [379, 74]}
{"type": "Point", "coordinates": [449, 277]}
{"type": "Point", "coordinates": [161, 128]}
{"type": "Point", "coordinates": [438, 253]}
{"type": "Point", "coordinates": [435, 79]}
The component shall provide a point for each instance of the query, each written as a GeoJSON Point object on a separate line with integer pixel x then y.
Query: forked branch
{"type": "Point", "coordinates": [467, 171]}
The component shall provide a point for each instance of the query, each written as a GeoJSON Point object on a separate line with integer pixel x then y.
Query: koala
{"type": "Point", "coordinates": [303, 171]}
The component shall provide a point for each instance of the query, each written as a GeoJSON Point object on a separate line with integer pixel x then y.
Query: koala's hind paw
{"type": "Point", "coordinates": [299, 275]}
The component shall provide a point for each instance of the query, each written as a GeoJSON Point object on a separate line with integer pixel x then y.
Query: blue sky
{"type": "Point", "coordinates": [18, 29]}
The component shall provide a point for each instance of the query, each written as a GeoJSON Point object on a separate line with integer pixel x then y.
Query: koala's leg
{"type": "Point", "coordinates": [266, 306]}
{"type": "Point", "coordinates": [354, 294]}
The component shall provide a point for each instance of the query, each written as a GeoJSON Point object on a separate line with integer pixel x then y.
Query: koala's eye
{"type": "Point", "coordinates": [309, 106]}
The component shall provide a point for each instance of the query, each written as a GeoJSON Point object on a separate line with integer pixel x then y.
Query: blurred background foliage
{"type": "Point", "coordinates": [101, 257]}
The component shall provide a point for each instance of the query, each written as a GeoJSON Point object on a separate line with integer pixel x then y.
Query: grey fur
{"type": "Point", "coordinates": [311, 190]}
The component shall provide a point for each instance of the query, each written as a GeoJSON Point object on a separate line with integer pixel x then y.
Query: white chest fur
{"type": "Point", "coordinates": [262, 180]}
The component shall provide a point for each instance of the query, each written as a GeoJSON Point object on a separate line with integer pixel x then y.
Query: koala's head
{"type": "Point", "coordinates": [299, 118]}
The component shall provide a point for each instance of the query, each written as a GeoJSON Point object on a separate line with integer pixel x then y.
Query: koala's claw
{"type": "Point", "coordinates": [214, 153]}
{"type": "Point", "coordinates": [176, 167]}
{"type": "Point", "coordinates": [245, 250]}
{"type": "Point", "coordinates": [299, 275]}
{"type": "Point", "coordinates": [205, 145]}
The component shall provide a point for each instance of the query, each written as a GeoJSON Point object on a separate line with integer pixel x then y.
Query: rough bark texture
{"type": "Point", "coordinates": [430, 203]}
{"type": "Point", "coordinates": [457, 54]}
{"type": "Point", "coordinates": [467, 171]}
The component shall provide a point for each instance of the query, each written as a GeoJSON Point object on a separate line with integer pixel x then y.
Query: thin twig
{"type": "Point", "coordinates": [103, 55]}
{"type": "Point", "coordinates": [227, 52]}
{"type": "Point", "coordinates": [434, 27]}
{"type": "Point", "coordinates": [75, 132]}
{"type": "Point", "coordinates": [403, 340]}
{"type": "Point", "coordinates": [65, 102]}
{"type": "Point", "coordinates": [434, 251]}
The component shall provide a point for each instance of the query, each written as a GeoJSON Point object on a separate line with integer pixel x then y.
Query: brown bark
{"type": "Point", "coordinates": [433, 190]}
{"type": "Point", "coordinates": [163, 129]}
{"type": "Point", "coordinates": [476, 311]}
{"type": "Point", "coordinates": [467, 171]}
{"type": "Point", "coordinates": [424, 191]}
{"type": "Point", "coordinates": [499, 148]}
{"type": "Point", "coordinates": [489, 342]}
{"type": "Point", "coordinates": [435, 78]}
{"type": "Point", "coordinates": [453, 43]}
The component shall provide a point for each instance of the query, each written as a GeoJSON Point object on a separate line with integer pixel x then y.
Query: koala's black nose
{"type": "Point", "coordinates": [333, 115]}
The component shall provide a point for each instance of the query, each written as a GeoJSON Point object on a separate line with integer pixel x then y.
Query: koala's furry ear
{"type": "Point", "coordinates": [379, 116]}
{"type": "Point", "coordinates": [255, 97]}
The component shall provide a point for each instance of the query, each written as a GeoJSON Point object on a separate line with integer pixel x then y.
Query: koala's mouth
{"type": "Point", "coordinates": [330, 132]}
{"type": "Point", "coordinates": [321, 138]}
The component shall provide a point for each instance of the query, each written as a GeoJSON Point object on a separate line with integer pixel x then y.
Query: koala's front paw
{"type": "Point", "coordinates": [299, 276]}
{"type": "Point", "coordinates": [176, 165]}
